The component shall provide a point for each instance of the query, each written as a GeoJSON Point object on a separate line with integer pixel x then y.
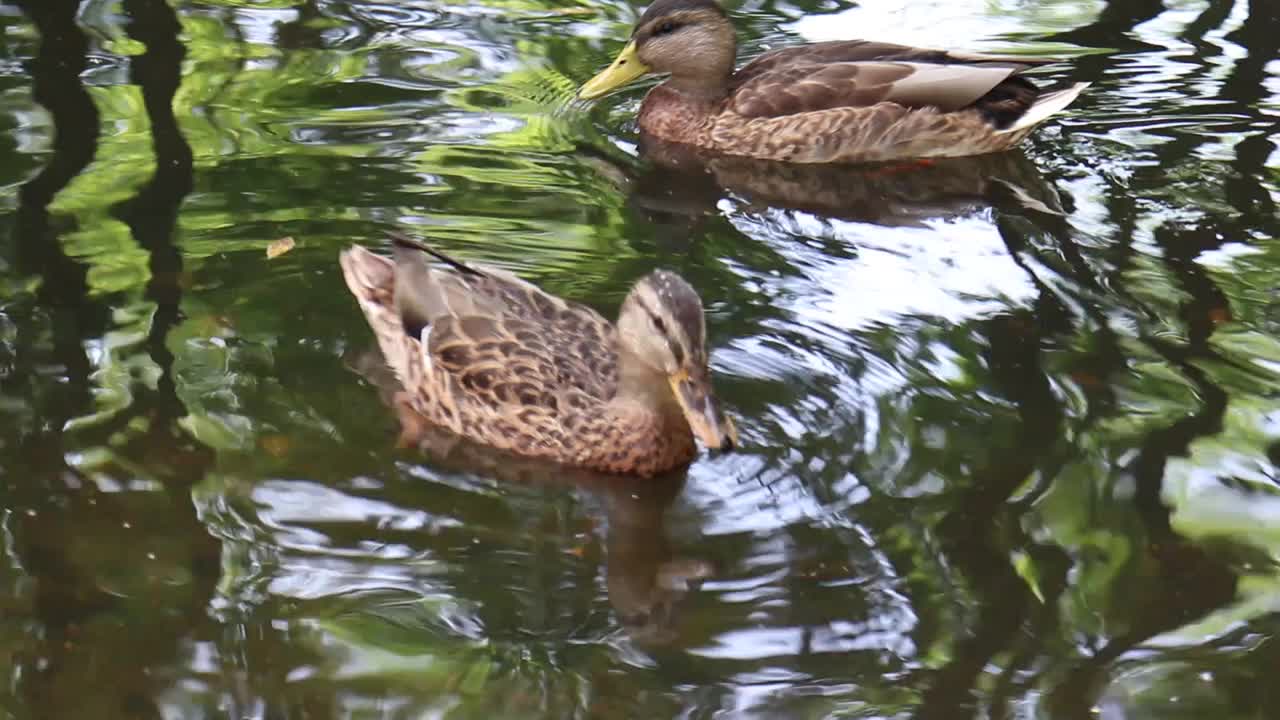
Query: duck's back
{"type": "Point", "coordinates": [528, 342]}
{"type": "Point", "coordinates": [477, 348]}
{"type": "Point", "coordinates": [846, 51]}
{"type": "Point", "coordinates": [861, 74]}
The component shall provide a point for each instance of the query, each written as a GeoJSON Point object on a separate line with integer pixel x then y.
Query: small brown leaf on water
{"type": "Point", "coordinates": [280, 247]}
{"type": "Point", "coordinates": [1086, 379]}
{"type": "Point", "coordinates": [275, 445]}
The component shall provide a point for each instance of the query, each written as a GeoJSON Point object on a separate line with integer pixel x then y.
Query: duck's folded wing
{"type": "Point", "coordinates": [793, 88]}
{"type": "Point", "coordinates": [510, 362]}
{"type": "Point", "coordinates": [843, 51]}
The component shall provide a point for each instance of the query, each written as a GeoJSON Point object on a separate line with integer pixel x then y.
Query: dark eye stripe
{"type": "Point", "coordinates": [644, 305]}
{"type": "Point", "coordinates": [677, 351]}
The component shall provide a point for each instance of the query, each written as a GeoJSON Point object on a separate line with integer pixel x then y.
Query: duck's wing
{"type": "Point", "coordinates": [840, 51]}
{"type": "Point", "coordinates": [503, 340]}
{"type": "Point", "coordinates": [861, 74]}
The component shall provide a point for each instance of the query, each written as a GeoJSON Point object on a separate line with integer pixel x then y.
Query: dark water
{"type": "Point", "coordinates": [1011, 425]}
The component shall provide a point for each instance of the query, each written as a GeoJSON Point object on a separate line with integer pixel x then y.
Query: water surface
{"type": "Point", "coordinates": [1010, 424]}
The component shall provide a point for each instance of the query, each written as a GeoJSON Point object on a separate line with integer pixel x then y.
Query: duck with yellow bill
{"type": "Point", "coordinates": [829, 102]}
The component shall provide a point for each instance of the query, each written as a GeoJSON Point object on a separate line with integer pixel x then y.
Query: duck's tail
{"type": "Point", "coordinates": [372, 280]}
{"type": "Point", "coordinates": [1045, 106]}
{"type": "Point", "coordinates": [400, 240]}
{"type": "Point", "coordinates": [370, 277]}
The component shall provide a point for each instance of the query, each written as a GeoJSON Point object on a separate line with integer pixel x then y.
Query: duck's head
{"type": "Point", "coordinates": [690, 39]}
{"type": "Point", "coordinates": [661, 324]}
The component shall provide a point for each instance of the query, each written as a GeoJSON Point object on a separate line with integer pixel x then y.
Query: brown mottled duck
{"type": "Point", "coordinates": [497, 361]}
{"type": "Point", "coordinates": [829, 102]}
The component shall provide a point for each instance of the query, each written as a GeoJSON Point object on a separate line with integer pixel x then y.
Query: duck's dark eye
{"type": "Point", "coordinates": [665, 28]}
{"type": "Point", "coordinates": [657, 323]}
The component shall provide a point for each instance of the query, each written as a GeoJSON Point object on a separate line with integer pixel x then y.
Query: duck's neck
{"type": "Point", "coordinates": [642, 386]}
{"type": "Point", "coordinates": [645, 411]}
{"type": "Point", "coordinates": [702, 87]}
{"type": "Point", "coordinates": [679, 113]}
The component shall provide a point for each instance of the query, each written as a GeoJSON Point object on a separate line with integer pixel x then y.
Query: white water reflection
{"type": "Point", "coordinates": [952, 24]}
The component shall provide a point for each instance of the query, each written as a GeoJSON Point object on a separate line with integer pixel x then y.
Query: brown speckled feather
{"type": "Point", "coordinates": [495, 318]}
{"type": "Point", "coordinates": [883, 131]}
{"type": "Point", "coordinates": [847, 51]}
{"type": "Point", "coordinates": [519, 369]}
{"type": "Point", "coordinates": [800, 87]}
{"type": "Point", "coordinates": [861, 73]}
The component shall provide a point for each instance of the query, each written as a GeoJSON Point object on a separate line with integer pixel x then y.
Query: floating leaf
{"type": "Point", "coordinates": [280, 247]}
{"type": "Point", "coordinates": [275, 445]}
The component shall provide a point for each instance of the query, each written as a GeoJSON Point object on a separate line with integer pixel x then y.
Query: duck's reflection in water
{"type": "Point", "coordinates": [674, 179]}
{"type": "Point", "coordinates": [645, 580]}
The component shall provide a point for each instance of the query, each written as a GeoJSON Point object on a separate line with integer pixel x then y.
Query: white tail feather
{"type": "Point", "coordinates": [1046, 105]}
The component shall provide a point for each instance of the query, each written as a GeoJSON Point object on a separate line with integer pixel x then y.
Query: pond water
{"type": "Point", "coordinates": [1010, 425]}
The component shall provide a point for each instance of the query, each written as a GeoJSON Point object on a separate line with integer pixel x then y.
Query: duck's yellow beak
{"type": "Point", "coordinates": [702, 410]}
{"type": "Point", "coordinates": [625, 68]}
